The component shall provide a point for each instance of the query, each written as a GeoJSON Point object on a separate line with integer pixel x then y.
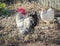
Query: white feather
{"type": "Point", "coordinates": [23, 23]}
{"type": "Point", "coordinates": [48, 15]}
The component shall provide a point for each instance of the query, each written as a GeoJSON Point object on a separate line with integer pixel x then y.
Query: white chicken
{"type": "Point", "coordinates": [47, 15]}
{"type": "Point", "coordinates": [23, 21]}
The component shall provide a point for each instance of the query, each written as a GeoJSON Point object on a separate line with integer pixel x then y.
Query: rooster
{"type": "Point", "coordinates": [47, 15]}
{"type": "Point", "coordinates": [23, 21]}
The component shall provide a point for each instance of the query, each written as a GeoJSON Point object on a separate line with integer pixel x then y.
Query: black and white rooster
{"type": "Point", "coordinates": [23, 21]}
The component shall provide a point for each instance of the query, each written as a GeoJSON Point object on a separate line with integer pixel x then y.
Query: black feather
{"type": "Point", "coordinates": [35, 19]}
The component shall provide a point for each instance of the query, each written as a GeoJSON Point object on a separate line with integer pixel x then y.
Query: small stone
{"type": "Point", "coordinates": [9, 17]}
{"type": "Point", "coordinates": [26, 38]}
{"type": "Point", "coordinates": [34, 36]}
{"type": "Point", "coordinates": [45, 27]}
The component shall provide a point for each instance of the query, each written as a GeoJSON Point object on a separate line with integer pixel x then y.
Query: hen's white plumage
{"type": "Point", "coordinates": [48, 15]}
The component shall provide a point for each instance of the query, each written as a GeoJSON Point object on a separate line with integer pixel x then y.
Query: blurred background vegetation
{"type": "Point", "coordinates": [7, 5]}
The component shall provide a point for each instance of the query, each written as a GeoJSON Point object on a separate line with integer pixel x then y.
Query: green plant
{"type": "Point", "coordinates": [3, 9]}
{"type": "Point", "coordinates": [2, 5]}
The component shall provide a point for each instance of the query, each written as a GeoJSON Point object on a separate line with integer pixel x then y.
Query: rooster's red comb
{"type": "Point", "coordinates": [22, 10]}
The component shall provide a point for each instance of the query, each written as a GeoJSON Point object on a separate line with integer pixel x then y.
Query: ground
{"type": "Point", "coordinates": [41, 36]}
